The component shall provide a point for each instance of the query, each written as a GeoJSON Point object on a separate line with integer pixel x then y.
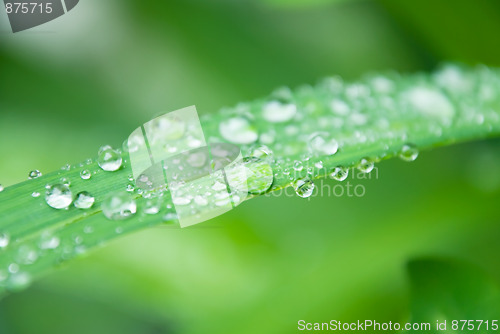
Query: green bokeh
{"type": "Point", "coordinates": [91, 76]}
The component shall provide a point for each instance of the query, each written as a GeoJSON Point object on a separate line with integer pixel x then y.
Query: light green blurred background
{"type": "Point", "coordinates": [90, 77]}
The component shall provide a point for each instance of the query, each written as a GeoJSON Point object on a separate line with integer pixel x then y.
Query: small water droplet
{"type": "Point", "coordinates": [170, 217]}
{"type": "Point", "coordinates": [48, 241]}
{"type": "Point", "coordinates": [4, 240]}
{"type": "Point", "coordinates": [152, 206]}
{"type": "Point", "coordinates": [1, 188]}
{"type": "Point", "coordinates": [59, 196]}
{"type": "Point", "coordinates": [409, 152]}
{"type": "Point", "coordinates": [66, 167]}
{"type": "Point", "coordinates": [366, 165]}
{"type": "Point", "coordinates": [109, 160]}
{"type": "Point", "coordinates": [200, 200]}
{"type": "Point", "coordinates": [85, 174]}
{"type": "Point", "coordinates": [238, 130]}
{"type": "Point", "coordinates": [84, 200]}
{"type": "Point", "coordinates": [26, 255]}
{"type": "Point", "coordinates": [35, 194]}
{"type": "Point", "coordinates": [298, 166]}
{"type": "Point", "coordinates": [34, 174]}
{"type": "Point", "coordinates": [119, 230]}
{"type": "Point", "coordinates": [340, 173]}
{"type": "Point", "coordinates": [119, 206]}
{"type": "Point", "coordinates": [304, 187]}
{"type": "Point", "coordinates": [65, 181]}
{"type": "Point", "coordinates": [130, 188]}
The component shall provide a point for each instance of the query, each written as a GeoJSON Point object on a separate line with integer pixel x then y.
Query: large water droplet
{"type": "Point", "coordinates": [119, 206]}
{"type": "Point", "coordinates": [409, 152]}
{"type": "Point", "coordinates": [85, 174]}
{"type": "Point", "coordinates": [340, 173]}
{"type": "Point", "coordinates": [259, 175]}
{"type": "Point", "coordinates": [109, 160]}
{"type": "Point", "coordinates": [277, 112]}
{"type": "Point", "coordinates": [4, 240]}
{"type": "Point", "coordinates": [84, 200]}
{"type": "Point", "coordinates": [304, 187]}
{"type": "Point", "coordinates": [59, 196]}
{"type": "Point", "coordinates": [238, 130]}
{"type": "Point", "coordinates": [34, 174]}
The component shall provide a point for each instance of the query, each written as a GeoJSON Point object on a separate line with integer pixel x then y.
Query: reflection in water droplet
{"type": "Point", "coordinates": [109, 160]}
{"type": "Point", "coordinates": [409, 152]}
{"type": "Point", "coordinates": [59, 196]}
{"type": "Point", "coordinates": [340, 173]}
{"type": "Point", "coordinates": [304, 187]}
{"type": "Point", "coordinates": [259, 175]}
{"type": "Point", "coordinates": [84, 200]}
{"type": "Point", "coordinates": [366, 165]}
{"type": "Point", "coordinates": [34, 174]}
{"type": "Point", "coordinates": [85, 174]}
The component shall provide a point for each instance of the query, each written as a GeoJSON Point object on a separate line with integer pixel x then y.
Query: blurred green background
{"type": "Point", "coordinates": [421, 245]}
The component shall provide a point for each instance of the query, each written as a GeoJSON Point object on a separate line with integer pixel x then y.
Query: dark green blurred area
{"type": "Point", "coordinates": [90, 77]}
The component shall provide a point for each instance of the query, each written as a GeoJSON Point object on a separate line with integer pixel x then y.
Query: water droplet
{"type": "Point", "coordinates": [1, 188]}
{"type": "Point", "coordinates": [119, 206]}
{"type": "Point", "coordinates": [304, 187]}
{"type": "Point", "coordinates": [321, 144]}
{"type": "Point", "coordinates": [259, 175]}
{"type": "Point", "coordinates": [26, 255]}
{"type": "Point", "coordinates": [262, 152]}
{"type": "Point", "coordinates": [366, 165]}
{"type": "Point", "coordinates": [48, 241]}
{"type": "Point", "coordinates": [35, 194]}
{"type": "Point", "coordinates": [130, 188]}
{"type": "Point", "coordinates": [238, 130]}
{"type": "Point", "coordinates": [34, 174]}
{"type": "Point", "coordinates": [4, 240]}
{"type": "Point", "coordinates": [66, 167]}
{"type": "Point", "coordinates": [277, 112]}
{"type": "Point", "coordinates": [340, 173]}
{"type": "Point", "coordinates": [297, 165]}
{"type": "Point", "coordinates": [109, 160]}
{"type": "Point", "coordinates": [152, 206]}
{"type": "Point", "coordinates": [409, 152]}
{"type": "Point", "coordinates": [59, 196]}
{"type": "Point", "coordinates": [85, 174]}
{"type": "Point", "coordinates": [18, 281]}
{"type": "Point", "coordinates": [84, 200]}
{"type": "Point", "coordinates": [170, 217]}
{"type": "Point", "coordinates": [181, 200]}
{"type": "Point", "coordinates": [200, 201]}
{"type": "Point", "coordinates": [88, 229]}
{"type": "Point", "coordinates": [65, 181]}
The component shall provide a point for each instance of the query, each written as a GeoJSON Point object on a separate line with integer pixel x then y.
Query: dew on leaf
{"type": "Point", "coordinates": [119, 206]}
{"type": "Point", "coordinates": [109, 159]}
{"type": "Point", "coordinates": [409, 152]}
{"type": "Point", "coordinates": [84, 200]}
{"type": "Point", "coordinates": [303, 187]}
{"type": "Point", "coordinates": [340, 173]}
{"type": "Point", "coordinates": [58, 196]}
{"type": "Point", "coordinates": [34, 174]}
